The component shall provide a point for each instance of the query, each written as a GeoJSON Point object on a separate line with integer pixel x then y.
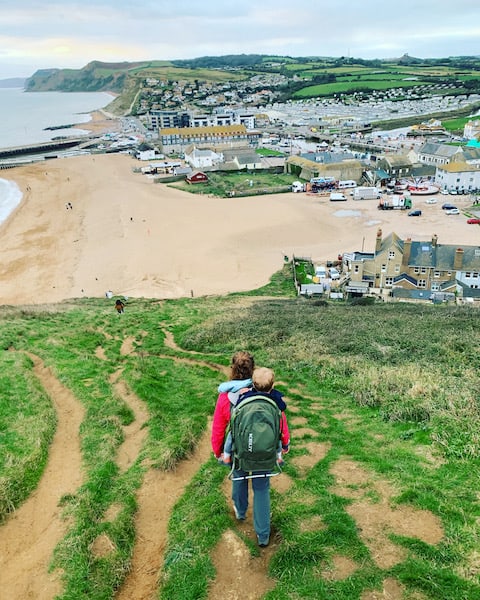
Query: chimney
{"type": "Point", "coordinates": [458, 260]}
{"type": "Point", "coordinates": [407, 248]}
{"type": "Point", "coordinates": [434, 240]}
{"type": "Point", "coordinates": [378, 242]}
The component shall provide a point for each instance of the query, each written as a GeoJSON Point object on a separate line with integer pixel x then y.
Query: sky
{"type": "Point", "coordinates": [38, 34]}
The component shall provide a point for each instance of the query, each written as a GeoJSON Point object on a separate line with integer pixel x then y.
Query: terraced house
{"type": "Point", "coordinates": [415, 270]}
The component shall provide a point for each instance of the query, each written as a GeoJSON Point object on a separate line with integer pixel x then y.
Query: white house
{"type": "Point", "coordinates": [458, 176]}
{"type": "Point", "coordinates": [202, 158]}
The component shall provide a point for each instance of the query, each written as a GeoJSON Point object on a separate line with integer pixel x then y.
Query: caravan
{"type": "Point", "coordinates": [348, 183]}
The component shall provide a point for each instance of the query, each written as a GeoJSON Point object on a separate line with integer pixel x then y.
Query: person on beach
{"type": "Point", "coordinates": [242, 367]}
{"type": "Point", "coordinates": [263, 380]}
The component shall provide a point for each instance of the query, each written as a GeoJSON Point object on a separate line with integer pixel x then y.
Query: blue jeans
{"type": "Point", "coordinates": [261, 501]}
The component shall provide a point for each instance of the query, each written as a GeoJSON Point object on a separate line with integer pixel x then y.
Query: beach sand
{"type": "Point", "coordinates": [136, 238]}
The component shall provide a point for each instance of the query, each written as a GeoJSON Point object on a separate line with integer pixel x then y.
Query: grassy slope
{"type": "Point", "coordinates": [406, 375]}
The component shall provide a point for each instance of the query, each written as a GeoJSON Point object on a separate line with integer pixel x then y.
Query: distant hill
{"type": "Point", "coordinates": [13, 82]}
{"type": "Point", "coordinates": [95, 77]}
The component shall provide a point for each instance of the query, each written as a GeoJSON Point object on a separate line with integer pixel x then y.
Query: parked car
{"type": "Point", "coordinates": [334, 273]}
{"type": "Point", "coordinates": [452, 211]}
{"type": "Point", "coordinates": [415, 213]}
{"type": "Point", "coordinates": [431, 201]}
{"type": "Point", "coordinates": [473, 221]}
{"type": "Point", "coordinates": [453, 192]}
{"type": "Point", "coordinates": [448, 206]}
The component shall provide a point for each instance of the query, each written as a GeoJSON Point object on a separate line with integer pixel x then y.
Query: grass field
{"type": "Point", "coordinates": [240, 183]}
{"type": "Point", "coordinates": [390, 391]}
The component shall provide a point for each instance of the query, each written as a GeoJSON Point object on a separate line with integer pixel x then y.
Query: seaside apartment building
{"type": "Point", "coordinates": [162, 119]}
{"type": "Point", "coordinates": [176, 139]}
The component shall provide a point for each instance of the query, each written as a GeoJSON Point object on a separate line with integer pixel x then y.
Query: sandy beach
{"type": "Point", "coordinates": [137, 238]}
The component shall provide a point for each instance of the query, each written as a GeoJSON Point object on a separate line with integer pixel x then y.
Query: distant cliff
{"type": "Point", "coordinates": [13, 82]}
{"type": "Point", "coordinates": [95, 77]}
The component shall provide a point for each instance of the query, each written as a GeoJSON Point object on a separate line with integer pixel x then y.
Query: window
{"type": "Point", "coordinates": [388, 281]}
{"type": "Point", "coordinates": [356, 269]}
{"type": "Point", "coordinates": [397, 268]}
{"type": "Point", "coordinates": [391, 254]}
{"type": "Point", "coordinates": [435, 287]}
{"type": "Point", "coordinates": [422, 283]}
{"type": "Point", "coordinates": [423, 270]}
{"type": "Point", "coordinates": [436, 274]}
{"type": "Point", "coordinates": [416, 270]}
{"type": "Point", "coordinates": [384, 268]}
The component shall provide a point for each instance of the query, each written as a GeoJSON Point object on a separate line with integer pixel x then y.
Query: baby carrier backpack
{"type": "Point", "coordinates": [255, 428]}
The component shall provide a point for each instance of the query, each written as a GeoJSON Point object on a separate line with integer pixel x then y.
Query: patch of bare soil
{"type": "Point", "coordinates": [316, 452]}
{"type": "Point", "coordinates": [239, 575]}
{"type": "Point", "coordinates": [392, 590]}
{"type": "Point", "coordinates": [156, 497]}
{"type": "Point", "coordinates": [135, 433]}
{"type": "Point", "coordinates": [342, 567]}
{"type": "Point", "coordinates": [377, 518]}
{"type": "Point", "coordinates": [29, 536]}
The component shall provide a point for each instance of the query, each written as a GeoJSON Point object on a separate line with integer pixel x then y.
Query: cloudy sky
{"type": "Point", "coordinates": [69, 33]}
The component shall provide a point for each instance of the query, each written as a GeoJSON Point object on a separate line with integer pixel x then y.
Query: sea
{"type": "Point", "coordinates": [24, 117]}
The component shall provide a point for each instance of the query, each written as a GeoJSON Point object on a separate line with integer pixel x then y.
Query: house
{"type": "Point", "coordinates": [431, 153]}
{"type": "Point", "coordinates": [459, 176]}
{"type": "Point", "coordinates": [199, 158]}
{"type": "Point", "coordinates": [396, 165]}
{"type": "Point", "coordinates": [306, 169]}
{"type": "Point", "coordinates": [241, 158]}
{"type": "Point", "coordinates": [197, 177]}
{"type": "Point", "coordinates": [414, 270]}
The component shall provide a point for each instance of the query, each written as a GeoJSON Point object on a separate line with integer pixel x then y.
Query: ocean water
{"type": "Point", "coordinates": [10, 197]}
{"type": "Point", "coordinates": [24, 117]}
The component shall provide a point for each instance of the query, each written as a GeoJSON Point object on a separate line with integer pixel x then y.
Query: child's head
{"type": "Point", "coordinates": [263, 379]}
{"type": "Point", "coordinates": [242, 365]}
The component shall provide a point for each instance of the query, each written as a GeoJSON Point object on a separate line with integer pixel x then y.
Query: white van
{"type": "Point", "coordinates": [337, 197]}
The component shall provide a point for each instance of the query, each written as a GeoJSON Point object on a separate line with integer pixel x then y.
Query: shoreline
{"type": "Point", "coordinates": [137, 238]}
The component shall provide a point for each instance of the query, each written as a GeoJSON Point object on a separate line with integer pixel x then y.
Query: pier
{"type": "Point", "coordinates": [41, 148]}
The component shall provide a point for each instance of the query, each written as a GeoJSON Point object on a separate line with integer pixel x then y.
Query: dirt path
{"type": "Point", "coordinates": [28, 538]}
{"type": "Point", "coordinates": [157, 495]}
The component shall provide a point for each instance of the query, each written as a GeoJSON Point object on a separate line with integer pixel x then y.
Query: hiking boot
{"type": "Point", "coordinates": [263, 542]}
{"type": "Point", "coordinates": [238, 516]}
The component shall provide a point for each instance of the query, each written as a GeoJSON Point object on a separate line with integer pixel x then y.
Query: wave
{"type": "Point", "coordinates": [10, 198]}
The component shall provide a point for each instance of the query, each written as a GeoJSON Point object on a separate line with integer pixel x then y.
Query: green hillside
{"type": "Point", "coordinates": [383, 407]}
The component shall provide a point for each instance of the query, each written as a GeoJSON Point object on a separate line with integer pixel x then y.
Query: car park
{"type": "Point", "coordinates": [415, 213]}
{"type": "Point", "coordinates": [452, 211]}
{"type": "Point", "coordinates": [473, 221]}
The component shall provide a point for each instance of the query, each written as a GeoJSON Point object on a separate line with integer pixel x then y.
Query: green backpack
{"type": "Point", "coordinates": [255, 428]}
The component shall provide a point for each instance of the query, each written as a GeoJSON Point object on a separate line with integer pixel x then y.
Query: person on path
{"type": "Point", "coordinates": [263, 380]}
{"type": "Point", "coordinates": [119, 306]}
{"type": "Point", "coordinates": [242, 368]}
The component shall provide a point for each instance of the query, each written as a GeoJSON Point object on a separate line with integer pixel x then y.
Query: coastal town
{"type": "Point", "coordinates": [325, 148]}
